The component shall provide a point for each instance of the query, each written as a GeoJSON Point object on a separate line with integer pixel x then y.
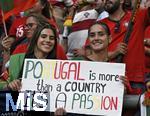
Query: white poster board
{"type": "Point", "coordinates": [82, 87]}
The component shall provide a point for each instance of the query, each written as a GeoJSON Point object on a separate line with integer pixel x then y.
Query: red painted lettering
{"type": "Point", "coordinates": [109, 103]}
{"type": "Point", "coordinates": [66, 70]}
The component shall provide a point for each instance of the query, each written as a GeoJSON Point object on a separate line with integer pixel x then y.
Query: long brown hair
{"type": "Point", "coordinates": [35, 37]}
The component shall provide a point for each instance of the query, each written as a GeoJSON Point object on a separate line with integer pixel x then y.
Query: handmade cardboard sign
{"type": "Point", "coordinates": [82, 87]}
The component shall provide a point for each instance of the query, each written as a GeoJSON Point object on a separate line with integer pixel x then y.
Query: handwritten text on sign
{"type": "Point", "coordinates": [78, 86]}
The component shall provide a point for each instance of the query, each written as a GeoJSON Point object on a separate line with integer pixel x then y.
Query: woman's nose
{"type": "Point", "coordinates": [96, 37]}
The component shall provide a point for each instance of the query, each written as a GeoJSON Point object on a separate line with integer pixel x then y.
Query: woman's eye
{"type": "Point", "coordinates": [43, 35]}
{"type": "Point", "coordinates": [92, 35]}
{"type": "Point", "coordinates": [52, 38]}
{"type": "Point", "coordinates": [101, 34]}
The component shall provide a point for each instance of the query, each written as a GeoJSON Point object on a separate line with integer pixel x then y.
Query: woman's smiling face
{"type": "Point", "coordinates": [46, 41]}
{"type": "Point", "coordinates": [98, 38]}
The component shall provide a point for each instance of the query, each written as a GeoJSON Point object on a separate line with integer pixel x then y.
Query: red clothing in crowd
{"type": "Point", "coordinates": [134, 59]}
{"type": "Point", "coordinates": [147, 58]}
{"type": "Point", "coordinates": [23, 48]}
{"type": "Point", "coordinates": [17, 28]}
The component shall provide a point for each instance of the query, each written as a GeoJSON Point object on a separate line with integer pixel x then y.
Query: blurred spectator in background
{"type": "Point", "coordinates": [127, 5]}
{"type": "Point", "coordinates": [85, 14]}
{"type": "Point", "coordinates": [118, 21]}
{"type": "Point", "coordinates": [60, 10]}
{"type": "Point", "coordinates": [16, 32]}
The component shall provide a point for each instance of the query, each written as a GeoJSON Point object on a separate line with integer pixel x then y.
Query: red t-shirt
{"type": "Point", "coordinates": [23, 48]}
{"type": "Point", "coordinates": [17, 28]}
{"type": "Point", "coordinates": [147, 58]}
{"type": "Point", "coordinates": [134, 59]}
